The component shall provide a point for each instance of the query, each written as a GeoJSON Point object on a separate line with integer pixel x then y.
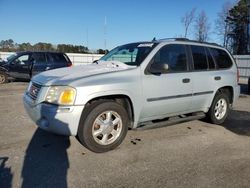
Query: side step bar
{"type": "Point", "coordinates": [171, 121]}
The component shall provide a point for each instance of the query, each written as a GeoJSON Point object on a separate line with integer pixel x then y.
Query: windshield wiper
{"type": "Point", "coordinates": [96, 62]}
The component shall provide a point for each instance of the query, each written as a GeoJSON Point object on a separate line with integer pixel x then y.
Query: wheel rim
{"type": "Point", "coordinates": [107, 127]}
{"type": "Point", "coordinates": [2, 78]}
{"type": "Point", "coordinates": [220, 109]}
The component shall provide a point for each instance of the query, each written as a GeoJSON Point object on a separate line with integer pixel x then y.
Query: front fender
{"type": "Point", "coordinates": [3, 69]}
{"type": "Point", "coordinates": [134, 98]}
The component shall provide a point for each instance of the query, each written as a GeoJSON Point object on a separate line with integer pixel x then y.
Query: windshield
{"type": "Point", "coordinates": [130, 54]}
{"type": "Point", "coordinates": [11, 57]}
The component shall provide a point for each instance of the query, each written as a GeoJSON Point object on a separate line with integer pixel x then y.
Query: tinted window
{"type": "Point", "coordinates": [39, 58]}
{"type": "Point", "coordinates": [130, 54]}
{"type": "Point", "coordinates": [210, 60]}
{"type": "Point", "coordinates": [199, 58]}
{"type": "Point", "coordinates": [221, 57]}
{"type": "Point", "coordinates": [23, 59]}
{"type": "Point", "coordinates": [57, 58]}
{"type": "Point", "coordinates": [174, 55]}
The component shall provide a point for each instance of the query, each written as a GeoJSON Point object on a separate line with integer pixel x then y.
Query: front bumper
{"type": "Point", "coordinates": [62, 120]}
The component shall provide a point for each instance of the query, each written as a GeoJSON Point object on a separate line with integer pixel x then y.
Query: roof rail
{"type": "Point", "coordinates": [172, 39]}
{"type": "Point", "coordinates": [188, 40]}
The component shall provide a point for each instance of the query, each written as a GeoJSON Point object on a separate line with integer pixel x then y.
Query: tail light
{"type": "Point", "coordinates": [69, 64]}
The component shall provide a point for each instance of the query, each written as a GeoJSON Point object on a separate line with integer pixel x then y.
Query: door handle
{"type": "Point", "coordinates": [186, 80]}
{"type": "Point", "coordinates": [217, 78]}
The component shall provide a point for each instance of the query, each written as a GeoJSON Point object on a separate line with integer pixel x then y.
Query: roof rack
{"type": "Point", "coordinates": [188, 40]}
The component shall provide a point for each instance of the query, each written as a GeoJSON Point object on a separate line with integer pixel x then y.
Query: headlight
{"type": "Point", "coordinates": [62, 95]}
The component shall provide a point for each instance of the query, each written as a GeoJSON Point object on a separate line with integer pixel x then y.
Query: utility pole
{"type": "Point", "coordinates": [87, 38]}
{"type": "Point", "coordinates": [105, 34]}
{"type": "Point", "coordinates": [248, 29]}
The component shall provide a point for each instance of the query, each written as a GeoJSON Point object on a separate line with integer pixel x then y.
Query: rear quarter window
{"type": "Point", "coordinates": [57, 58]}
{"type": "Point", "coordinates": [221, 58]}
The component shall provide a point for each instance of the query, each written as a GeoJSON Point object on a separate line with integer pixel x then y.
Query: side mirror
{"type": "Point", "coordinates": [159, 68]}
{"type": "Point", "coordinates": [22, 63]}
{"type": "Point", "coordinates": [13, 62]}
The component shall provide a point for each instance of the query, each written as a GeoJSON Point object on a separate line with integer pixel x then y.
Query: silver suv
{"type": "Point", "coordinates": [143, 84]}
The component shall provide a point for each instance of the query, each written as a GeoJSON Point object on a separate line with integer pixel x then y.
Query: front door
{"type": "Point", "coordinates": [20, 67]}
{"type": "Point", "coordinates": [168, 93]}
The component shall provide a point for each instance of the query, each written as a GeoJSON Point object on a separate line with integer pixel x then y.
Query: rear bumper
{"type": "Point", "coordinates": [62, 120]}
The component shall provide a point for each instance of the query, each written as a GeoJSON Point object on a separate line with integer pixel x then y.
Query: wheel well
{"type": "Point", "coordinates": [123, 100]}
{"type": "Point", "coordinates": [229, 91]}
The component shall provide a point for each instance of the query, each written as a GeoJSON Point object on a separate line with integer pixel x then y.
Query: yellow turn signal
{"type": "Point", "coordinates": [67, 97]}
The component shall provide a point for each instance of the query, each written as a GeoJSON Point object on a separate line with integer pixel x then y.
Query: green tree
{"type": "Point", "coordinates": [25, 47]}
{"type": "Point", "coordinates": [238, 23]}
{"type": "Point", "coordinates": [7, 45]}
{"type": "Point", "coordinates": [221, 26]}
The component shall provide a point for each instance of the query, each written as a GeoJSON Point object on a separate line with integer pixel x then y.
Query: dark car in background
{"type": "Point", "coordinates": [24, 65]}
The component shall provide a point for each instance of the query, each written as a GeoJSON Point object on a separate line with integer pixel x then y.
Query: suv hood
{"type": "Point", "coordinates": [64, 76]}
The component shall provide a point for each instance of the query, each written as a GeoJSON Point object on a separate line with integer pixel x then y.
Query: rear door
{"type": "Point", "coordinates": [39, 62]}
{"type": "Point", "coordinates": [168, 93]}
{"type": "Point", "coordinates": [204, 77]}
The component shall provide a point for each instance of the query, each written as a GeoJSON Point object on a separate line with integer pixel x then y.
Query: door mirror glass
{"type": "Point", "coordinates": [159, 68]}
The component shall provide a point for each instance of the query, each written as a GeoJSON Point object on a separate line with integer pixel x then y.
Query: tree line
{"type": "Point", "coordinates": [10, 46]}
{"type": "Point", "coordinates": [231, 26]}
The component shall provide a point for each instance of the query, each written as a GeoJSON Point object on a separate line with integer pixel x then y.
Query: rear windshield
{"type": "Point", "coordinates": [130, 54]}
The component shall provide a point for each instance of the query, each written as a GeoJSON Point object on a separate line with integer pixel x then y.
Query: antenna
{"type": "Point", "coordinates": [105, 33]}
{"type": "Point", "coordinates": [87, 37]}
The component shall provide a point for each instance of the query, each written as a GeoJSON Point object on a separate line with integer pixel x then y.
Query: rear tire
{"type": "Point", "coordinates": [3, 78]}
{"type": "Point", "coordinates": [219, 109]}
{"type": "Point", "coordinates": [103, 126]}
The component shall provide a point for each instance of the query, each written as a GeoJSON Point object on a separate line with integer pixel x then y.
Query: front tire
{"type": "Point", "coordinates": [219, 109]}
{"type": "Point", "coordinates": [103, 126]}
{"type": "Point", "coordinates": [3, 78]}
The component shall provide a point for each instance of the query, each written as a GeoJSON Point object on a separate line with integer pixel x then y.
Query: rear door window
{"type": "Point", "coordinates": [39, 58]}
{"type": "Point", "coordinates": [210, 60]}
{"type": "Point", "coordinates": [222, 58]}
{"type": "Point", "coordinates": [199, 58]}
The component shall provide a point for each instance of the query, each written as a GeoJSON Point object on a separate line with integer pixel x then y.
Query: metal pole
{"type": "Point", "coordinates": [248, 30]}
{"type": "Point", "coordinates": [105, 34]}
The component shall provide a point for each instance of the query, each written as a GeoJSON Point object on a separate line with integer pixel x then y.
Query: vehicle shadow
{"type": "Point", "coordinates": [244, 89]}
{"type": "Point", "coordinates": [238, 122]}
{"type": "Point", "coordinates": [5, 174]}
{"type": "Point", "coordinates": [46, 161]}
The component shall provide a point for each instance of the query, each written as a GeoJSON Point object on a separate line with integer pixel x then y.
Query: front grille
{"type": "Point", "coordinates": [34, 90]}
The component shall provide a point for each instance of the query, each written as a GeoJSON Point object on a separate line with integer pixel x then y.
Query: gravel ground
{"type": "Point", "coordinates": [192, 154]}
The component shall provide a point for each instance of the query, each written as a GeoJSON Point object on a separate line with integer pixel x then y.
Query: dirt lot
{"type": "Point", "coordinates": [192, 154]}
